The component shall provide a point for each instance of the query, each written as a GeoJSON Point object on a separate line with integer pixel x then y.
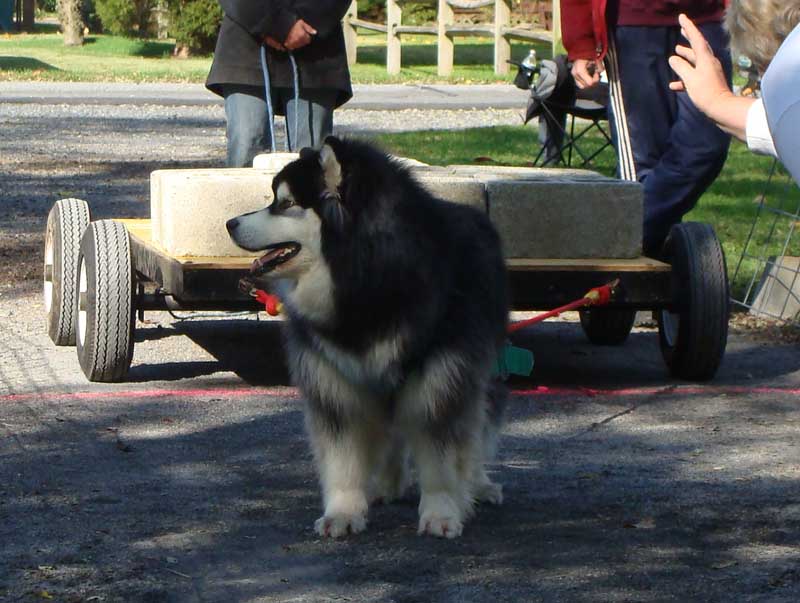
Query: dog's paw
{"type": "Point", "coordinates": [490, 492]}
{"type": "Point", "coordinates": [440, 516]}
{"type": "Point", "coordinates": [442, 527]}
{"type": "Point", "coordinates": [336, 526]}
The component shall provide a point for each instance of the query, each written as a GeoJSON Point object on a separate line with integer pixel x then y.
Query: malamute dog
{"type": "Point", "coordinates": [397, 306]}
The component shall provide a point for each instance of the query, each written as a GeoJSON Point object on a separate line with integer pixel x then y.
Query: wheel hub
{"type": "Point", "coordinates": [83, 287]}
{"type": "Point", "coordinates": [671, 322]}
{"type": "Point", "coordinates": [49, 259]}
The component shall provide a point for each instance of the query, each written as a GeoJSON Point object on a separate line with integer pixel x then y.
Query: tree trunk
{"type": "Point", "coordinates": [28, 13]}
{"type": "Point", "coordinates": [69, 13]}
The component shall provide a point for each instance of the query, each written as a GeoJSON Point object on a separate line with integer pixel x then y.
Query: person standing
{"type": "Point", "coordinates": [311, 31]}
{"type": "Point", "coordinates": [663, 140]}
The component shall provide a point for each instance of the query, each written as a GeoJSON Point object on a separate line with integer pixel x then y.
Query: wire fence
{"type": "Point", "coordinates": [770, 261]}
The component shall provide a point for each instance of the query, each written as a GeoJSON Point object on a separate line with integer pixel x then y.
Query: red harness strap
{"type": "Point", "coordinates": [599, 296]}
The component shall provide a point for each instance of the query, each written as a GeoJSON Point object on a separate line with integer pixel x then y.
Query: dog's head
{"type": "Point", "coordinates": [307, 195]}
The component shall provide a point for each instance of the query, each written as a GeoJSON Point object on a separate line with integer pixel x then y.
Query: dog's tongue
{"type": "Point", "coordinates": [258, 263]}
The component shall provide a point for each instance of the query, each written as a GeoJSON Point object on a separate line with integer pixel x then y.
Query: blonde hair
{"type": "Point", "coordinates": [758, 27]}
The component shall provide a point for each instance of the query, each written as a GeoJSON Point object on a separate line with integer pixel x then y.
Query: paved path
{"type": "Point", "coordinates": [372, 97]}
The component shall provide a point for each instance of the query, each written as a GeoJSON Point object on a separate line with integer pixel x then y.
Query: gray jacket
{"type": "Point", "coordinates": [322, 64]}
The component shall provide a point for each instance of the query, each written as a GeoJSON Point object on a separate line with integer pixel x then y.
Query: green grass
{"type": "Point", "coordinates": [730, 205]}
{"type": "Point", "coordinates": [43, 56]}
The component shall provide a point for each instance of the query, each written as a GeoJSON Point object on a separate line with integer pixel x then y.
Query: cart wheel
{"type": "Point", "coordinates": [65, 225]}
{"type": "Point", "coordinates": [607, 326]}
{"type": "Point", "coordinates": [694, 332]}
{"type": "Point", "coordinates": [105, 308]}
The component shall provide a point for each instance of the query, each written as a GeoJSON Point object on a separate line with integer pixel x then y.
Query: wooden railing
{"type": "Point", "coordinates": [445, 29]}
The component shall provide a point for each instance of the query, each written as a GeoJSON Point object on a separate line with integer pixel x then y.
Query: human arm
{"type": "Point", "coordinates": [580, 39]}
{"type": "Point", "coordinates": [324, 15]}
{"type": "Point", "coordinates": [262, 18]}
{"type": "Point", "coordinates": [702, 78]}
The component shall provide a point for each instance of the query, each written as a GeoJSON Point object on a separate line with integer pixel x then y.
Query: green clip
{"type": "Point", "coordinates": [513, 361]}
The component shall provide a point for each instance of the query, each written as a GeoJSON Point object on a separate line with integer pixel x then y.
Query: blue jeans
{"type": "Point", "coordinates": [677, 151]}
{"type": "Point", "coordinates": [248, 128]}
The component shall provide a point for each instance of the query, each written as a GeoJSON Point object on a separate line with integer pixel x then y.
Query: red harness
{"type": "Point", "coordinates": [599, 296]}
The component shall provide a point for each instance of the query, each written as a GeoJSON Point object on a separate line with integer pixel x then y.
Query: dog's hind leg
{"type": "Point", "coordinates": [496, 399]}
{"type": "Point", "coordinates": [392, 477]}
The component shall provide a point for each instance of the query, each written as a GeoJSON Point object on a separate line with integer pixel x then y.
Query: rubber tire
{"type": "Point", "coordinates": [66, 222]}
{"type": "Point", "coordinates": [607, 326]}
{"type": "Point", "coordinates": [105, 306]}
{"type": "Point", "coordinates": [693, 333]}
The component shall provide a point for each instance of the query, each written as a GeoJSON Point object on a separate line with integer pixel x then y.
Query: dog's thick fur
{"type": "Point", "coordinates": [397, 306]}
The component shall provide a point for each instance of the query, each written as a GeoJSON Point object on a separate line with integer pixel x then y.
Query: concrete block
{"type": "Point", "coordinates": [486, 173]}
{"type": "Point", "coordinates": [778, 293]}
{"type": "Point", "coordinates": [273, 161]}
{"type": "Point", "coordinates": [458, 189]}
{"type": "Point", "coordinates": [189, 208]}
{"type": "Point", "coordinates": [408, 161]}
{"type": "Point", "coordinates": [568, 218]}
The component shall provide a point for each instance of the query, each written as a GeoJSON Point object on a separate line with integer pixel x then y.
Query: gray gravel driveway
{"type": "Point", "coordinates": [193, 482]}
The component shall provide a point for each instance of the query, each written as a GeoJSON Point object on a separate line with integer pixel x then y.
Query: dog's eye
{"type": "Point", "coordinates": [284, 203]}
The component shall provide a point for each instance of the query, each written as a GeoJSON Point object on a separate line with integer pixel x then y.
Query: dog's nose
{"type": "Point", "coordinates": [232, 225]}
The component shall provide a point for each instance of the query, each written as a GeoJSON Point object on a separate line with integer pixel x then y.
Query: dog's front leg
{"type": "Point", "coordinates": [341, 448]}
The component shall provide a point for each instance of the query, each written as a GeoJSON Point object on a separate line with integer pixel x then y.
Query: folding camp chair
{"type": "Point", "coordinates": [554, 100]}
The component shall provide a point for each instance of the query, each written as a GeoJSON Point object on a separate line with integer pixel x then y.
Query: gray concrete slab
{"type": "Point", "coordinates": [555, 217]}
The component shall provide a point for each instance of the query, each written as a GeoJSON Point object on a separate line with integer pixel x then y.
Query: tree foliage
{"type": "Point", "coordinates": [125, 17]}
{"type": "Point", "coordinates": [194, 24]}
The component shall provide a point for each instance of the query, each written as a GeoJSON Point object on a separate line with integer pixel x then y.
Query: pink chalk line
{"type": "Point", "coordinates": [292, 393]}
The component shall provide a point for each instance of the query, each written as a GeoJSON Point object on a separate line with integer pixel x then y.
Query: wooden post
{"type": "Point", "coordinates": [558, 45]}
{"type": "Point", "coordinates": [351, 34]}
{"type": "Point", "coordinates": [394, 17]}
{"type": "Point", "coordinates": [502, 47]}
{"type": "Point", "coordinates": [444, 43]}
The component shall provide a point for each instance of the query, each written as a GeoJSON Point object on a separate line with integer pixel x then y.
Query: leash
{"type": "Point", "coordinates": [598, 296]}
{"type": "Point", "coordinates": [268, 95]}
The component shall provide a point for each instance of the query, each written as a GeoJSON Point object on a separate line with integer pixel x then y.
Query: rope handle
{"type": "Point", "coordinates": [268, 96]}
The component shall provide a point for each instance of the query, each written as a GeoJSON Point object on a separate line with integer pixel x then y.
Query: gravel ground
{"type": "Point", "coordinates": [193, 482]}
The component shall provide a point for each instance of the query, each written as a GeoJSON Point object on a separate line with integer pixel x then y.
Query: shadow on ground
{"type": "Point", "coordinates": [213, 499]}
{"type": "Point", "coordinates": [8, 63]}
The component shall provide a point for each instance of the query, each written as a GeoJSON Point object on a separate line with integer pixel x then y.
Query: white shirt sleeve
{"type": "Point", "coordinates": [759, 139]}
{"type": "Point", "coordinates": [780, 89]}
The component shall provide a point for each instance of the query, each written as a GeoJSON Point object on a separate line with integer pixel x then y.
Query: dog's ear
{"type": "Point", "coordinates": [306, 152]}
{"type": "Point", "coordinates": [329, 159]}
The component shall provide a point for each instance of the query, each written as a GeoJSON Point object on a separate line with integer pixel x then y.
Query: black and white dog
{"type": "Point", "coordinates": [397, 307]}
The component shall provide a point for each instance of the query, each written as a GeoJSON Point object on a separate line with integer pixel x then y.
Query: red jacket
{"type": "Point", "coordinates": [584, 23]}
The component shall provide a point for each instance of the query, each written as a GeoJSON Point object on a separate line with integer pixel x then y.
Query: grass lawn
{"type": "Point", "coordinates": [730, 205]}
{"type": "Point", "coordinates": [43, 56]}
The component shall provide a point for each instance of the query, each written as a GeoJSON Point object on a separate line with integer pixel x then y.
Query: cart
{"type": "Point", "coordinates": [95, 272]}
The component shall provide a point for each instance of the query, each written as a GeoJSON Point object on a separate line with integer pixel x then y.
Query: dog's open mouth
{"type": "Point", "coordinates": [277, 255]}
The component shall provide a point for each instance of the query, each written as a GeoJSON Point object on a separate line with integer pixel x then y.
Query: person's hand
{"type": "Point", "coordinates": [586, 72]}
{"type": "Point", "coordinates": [273, 43]}
{"type": "Point", "coordinates": [299, 35]}
{"type": "Point", "coordinates": [700, 72]}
